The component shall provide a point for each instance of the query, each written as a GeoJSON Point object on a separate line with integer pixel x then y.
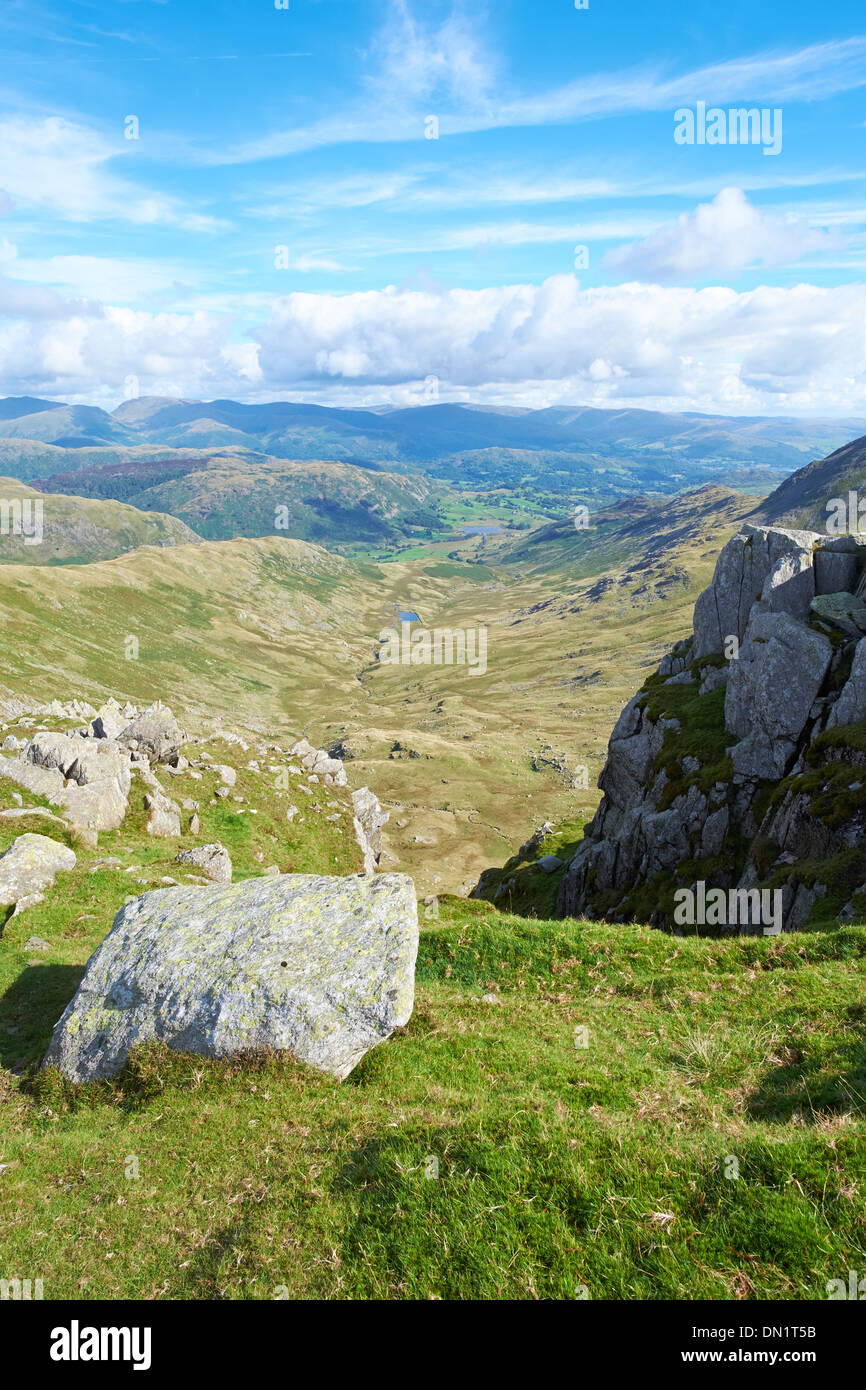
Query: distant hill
{"type": "Point", "coordinates": [79, 530]}
{"type": "Point", "coordinates": [636, 531]}
{"type": "Point", "coordinates": [640, 449]}
{"type": "Point", "coordinates": [228, 494]}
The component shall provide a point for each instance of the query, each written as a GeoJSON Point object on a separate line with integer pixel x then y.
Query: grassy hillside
{"type": "Point", "coordinates": [573, 1111]}
{"type": "Point", "coordinates": [79, 530]}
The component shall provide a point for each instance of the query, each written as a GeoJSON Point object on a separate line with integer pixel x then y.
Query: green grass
{"type": "Point", "coordinates": [560, 1166]}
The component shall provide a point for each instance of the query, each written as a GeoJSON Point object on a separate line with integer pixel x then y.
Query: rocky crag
{"type": "Point", "coordinates": [741, 763]}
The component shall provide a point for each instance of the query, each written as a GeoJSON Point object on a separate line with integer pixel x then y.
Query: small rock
{"type": "Point", "coordinates": [549, 864]}
{"type": "Point", "coordinates": [213, 860]}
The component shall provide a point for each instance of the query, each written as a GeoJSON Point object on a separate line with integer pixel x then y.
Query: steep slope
{"type": "Point", "coordinates": [54, 529]}
{"type": "Point", "coordinates": [640, 531]}
{"type": "Point", "coordinates": [805, 499]}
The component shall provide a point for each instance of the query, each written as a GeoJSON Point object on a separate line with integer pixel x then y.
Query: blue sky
{"type": "Point", "coordinates": [283, 226]}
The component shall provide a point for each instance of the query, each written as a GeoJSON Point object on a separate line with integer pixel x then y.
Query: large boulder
{"type": "Point", "coordinates": [29, 866]}
{"type": "Point", "coordinates": [323, 968]}
{"type": "Point", "coordinates": [88, 779]}
{"type": "Point", "coordinates": [841, 612]}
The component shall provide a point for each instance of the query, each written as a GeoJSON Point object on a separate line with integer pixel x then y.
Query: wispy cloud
{"type": "Point", "coordinates": [62, 166]}
{"type": "Point", "coordinates": [808, 74]}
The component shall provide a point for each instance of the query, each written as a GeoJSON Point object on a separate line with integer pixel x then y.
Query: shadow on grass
{"type": "Point", "coordinates": [528, 890]}
{"type": "Point", "coordinates": [815, 1085]}
{"type": "Point", "coordinates": [29, 1010]}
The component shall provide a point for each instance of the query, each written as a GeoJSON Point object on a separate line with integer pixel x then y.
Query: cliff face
{"type": "Point", "coordinates": [741, 764]}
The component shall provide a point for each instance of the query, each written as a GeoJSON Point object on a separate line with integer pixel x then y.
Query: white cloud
{"type": "Point", "coordinates": [100, 277]}
{"type": "Point", "coordinates": [770, 350]}
{"type": "Point", "coordinates": [720, 238]}
{"type": "Point", "coordinates": [61, 166]}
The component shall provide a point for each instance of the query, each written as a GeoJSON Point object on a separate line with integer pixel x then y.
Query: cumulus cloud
{"type": "Point", "coordinates": [771, 350]}
{"type": "Point", "coordinates": [720, 238]}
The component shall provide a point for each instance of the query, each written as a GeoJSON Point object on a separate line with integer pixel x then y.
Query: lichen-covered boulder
{"type": "Point", "coordinates": [323, 968]}
{"type": "Point", "coordinates": [843, 612]}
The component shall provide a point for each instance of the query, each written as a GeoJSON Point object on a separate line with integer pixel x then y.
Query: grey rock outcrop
{"type": "Point", "coordinates": [769, 803]}
{"type": "Point", "coordinates": [155, 732]}
{"type": "Point", "coordinates": [88, 780]}
{"type": "Point", "coordinates": [322, 968]}
{"type": "Point", "coordinates": [770, 691]}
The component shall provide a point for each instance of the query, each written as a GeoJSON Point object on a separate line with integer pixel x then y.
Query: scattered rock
{"type": "Point", "coordinates": [549, 863]}
{"type": "Point", "coordinates": [368, 820]}
{"type": "Point", "coordinates": [164, 815]}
